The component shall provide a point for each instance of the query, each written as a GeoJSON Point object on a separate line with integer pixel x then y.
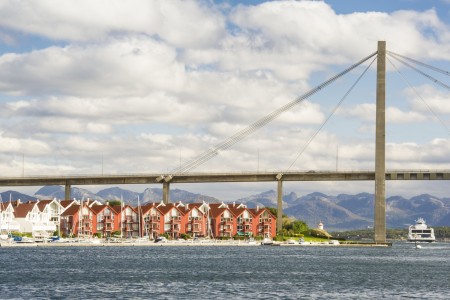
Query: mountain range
{"type": "Point", "coordinates": [341, 212]}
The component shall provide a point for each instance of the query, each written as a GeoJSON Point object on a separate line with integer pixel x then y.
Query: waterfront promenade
{"type": "Point", "coordinates": [202, 243]}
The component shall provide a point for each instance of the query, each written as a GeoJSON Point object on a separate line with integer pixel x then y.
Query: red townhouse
{"type": "Point", "coordinates": [77, 221]}
{"type": "Point", "coordinates": [128, 220]}
{"type": "Point", "coordinates": [244, 219]}
{"type": "Point", "coordinates": [264, 222]}
{"type": "Point", "coordinates": [194, 220]}
{"type": "Point", "coordinates": [105, 220]}
{"type": "Point", "coordinates": [223, 222]}
{"type": "Point", "coordinates": [153, 220]}
{"type": "Point", "coordinates": [172, 216]}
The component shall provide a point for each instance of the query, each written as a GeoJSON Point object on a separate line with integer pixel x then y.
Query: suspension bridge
{"type": "Point", "coordinates": [184, 174]}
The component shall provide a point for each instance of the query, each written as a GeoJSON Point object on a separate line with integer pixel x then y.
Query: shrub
{"type": "Point", "coordinates": [185, 236]}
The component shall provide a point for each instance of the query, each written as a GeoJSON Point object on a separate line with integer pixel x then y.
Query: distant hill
{"type": "Point", "coordinates": [116, 193]}
{"type": "Point", "coordinates": [58, 192]}
{"type": "Point", "coordinates": [13, 195]}
{"type": "Point", "coordinates": [341, 212]}
{"type": "Point", "coordinates": [346, 212]}
{"type": "Point", "coordinates": [155, 194]}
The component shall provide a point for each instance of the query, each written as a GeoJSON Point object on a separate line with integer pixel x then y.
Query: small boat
{"type": "Point", "coordinates": [161, 239]}
{"type": "Point", "coordinates": [25, 240]}
{"type": "Point", "coordinates": [251, 241]}
{"type": "Point", "coordinates": [420, 232]}
{"type": "Point", "coordinates": [267, 242]}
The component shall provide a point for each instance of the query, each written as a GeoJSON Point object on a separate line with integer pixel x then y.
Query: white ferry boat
{"type": "Point", "coordinates": [420, 232]}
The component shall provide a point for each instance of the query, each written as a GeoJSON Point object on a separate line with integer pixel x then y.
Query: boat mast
{"type": "Point", "coordinates": [121, 215]}
{"type": "Point", "coordinates": [139, 217]}
{"type": "Point", "coordinates": [80, 219]}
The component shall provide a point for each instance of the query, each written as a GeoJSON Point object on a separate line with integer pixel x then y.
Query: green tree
{"type": "Point", "coordinates": [299, 226]}
{"type": "Point", "coordinates": [114, 202]}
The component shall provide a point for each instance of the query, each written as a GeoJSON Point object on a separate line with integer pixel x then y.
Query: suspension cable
{"type": "Point", "coordinates": [421, 63]}
{"type": "Point", "coordinates": [230, 141]}
{"type": "Point", "coordinates": [437, 81]}
{"type": "Point", "coordinates": [333, 111]}
{"type": "Point", "coordinates": [419, 96]}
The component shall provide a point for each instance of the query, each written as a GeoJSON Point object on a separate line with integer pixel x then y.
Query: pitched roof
{"type": "Point", "coordinates": [117, 208]}
{"type": "Point", "coordinates": [148, 206]}
{"type": "Point", "coordinates": [168, 207]}
{"type": "Point", "coordinates": [16, 202]}
{"type": "Point", "coordinates": [72, 210]}
{"type": "Point", "coordinates": [258, 211]}
{"type": "Point", "coordinates": [98, 208]}
{"type": "Point", "coordinates": [216, 209]}
{"type": "Point", "coordinates": [237, 209]}
{"type": "Point", "coordinates": [67, 203]}
{"type": "Point", "coordinates": [22, 210]}
{"type": "Point", "coordinates": [4, 205]}
{"type": "Point", "coordinates": [43, 203]}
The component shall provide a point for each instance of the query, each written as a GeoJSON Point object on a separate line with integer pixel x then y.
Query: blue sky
{"type": "Point", "coordinates": [122, 88]}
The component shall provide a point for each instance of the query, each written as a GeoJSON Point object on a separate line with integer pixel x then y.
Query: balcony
{"type": "Point", "coordinates": [226, 221]}
{"type": "Point", "coordinates": [153, 221]}
{"type": "Point", "coordinates": [225, 234]}
{"type": "Point", "coordinates": [225, 229]}
{"type": "Point", "coordinates": [108, 219]}
{"type": "Point", "coordinates": [12, 225]}
{"type": "Point", "coordinates": [174, 220]}
{"type": "Point", "coordinates": [128, 219]}
{"type": "Point", "coordinates": [195, 223]}
{"type": "Point", "coordinates": [196, 230]}
{"type": "Point", "coordinates": [43, 227]}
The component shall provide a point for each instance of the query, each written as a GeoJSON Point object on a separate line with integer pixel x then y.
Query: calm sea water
{"type": "Point", "coordinates": [259, 272]}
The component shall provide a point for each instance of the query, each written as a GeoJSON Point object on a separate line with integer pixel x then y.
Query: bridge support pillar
{"type": "Point", "coordinates": [279, 204]}
{"type": "Point", "coordinates": [67, 189]}
{"type": "Point", "coordinates": [166, 189]}
{"type": "Point", "coordinates": [380, 147]}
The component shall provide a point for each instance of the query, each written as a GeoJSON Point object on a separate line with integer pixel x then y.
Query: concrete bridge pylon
{"type": "Point", "coordinates": [380, 147]}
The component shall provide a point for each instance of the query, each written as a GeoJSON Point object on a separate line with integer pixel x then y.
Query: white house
{"type": "Point", "coordinates": [51, 210]}
{"type": "Point", "coordinates": [32, 220]}
{"type": "Point", "coordinates": [7, 219]}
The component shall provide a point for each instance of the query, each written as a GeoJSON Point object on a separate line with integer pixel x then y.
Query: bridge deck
{"type": "Point", "coordinates": [222, 177]}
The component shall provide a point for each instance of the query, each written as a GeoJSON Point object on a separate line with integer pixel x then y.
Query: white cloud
{"type": "Point", "coordinates": [116, 68]}
{"type": "Point", "coordinates": [136, 85]}
{"type": "Point", "coordinates": [426, 97]}
{"type": "Point", "coordinates": [305, 36]}
{"type": "Point", "coordinates": [173, 21]}
{"type": "Point", "coordinates": [366, 113]}
{"type": "Point", "coordinates": [19, 145]}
